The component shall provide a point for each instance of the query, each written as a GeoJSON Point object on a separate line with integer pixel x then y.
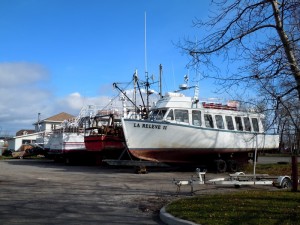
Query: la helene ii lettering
{"type": "Point", "coordinates": [146, 125]}
{"type": "Point", "coordinates": [151, 126]}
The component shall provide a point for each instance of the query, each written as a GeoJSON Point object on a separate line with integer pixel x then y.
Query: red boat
{"type": "Point", "coordinates": [104, 137]}
{"type": "Point", "coordinates": [103, 142]}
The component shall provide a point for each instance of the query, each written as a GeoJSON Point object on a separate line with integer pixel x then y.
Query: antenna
{"type": "Point", "coordinates": [160, 80]}
{"type": "Point", "coordinates": [146, 69]}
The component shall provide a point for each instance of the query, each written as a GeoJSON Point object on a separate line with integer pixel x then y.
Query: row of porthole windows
{"type": "Point", "coordinates": [213, 121]}
{"type": "Point", "coordinates": [231, 122]}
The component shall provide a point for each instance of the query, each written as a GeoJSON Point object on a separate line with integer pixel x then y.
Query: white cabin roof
{"type": "Point", "coordinates": [174, 100]}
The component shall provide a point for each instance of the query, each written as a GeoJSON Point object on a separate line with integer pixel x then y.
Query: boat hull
{"type": "Point", "coordinates": [108, 146]}
{"type": "Point", "coordinates": [179, 143]}
{"type": "Point", "coordinates": [99, 143]}
{"type": "Point", "coordinates": [65, 143]}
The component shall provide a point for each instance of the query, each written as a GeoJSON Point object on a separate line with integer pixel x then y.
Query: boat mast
{"type": "Point", "coordinates": [133, 102]}
{"type": "Point", "coordinates": [146, 69]}
{"type": "Point", "coordinates": [145, 43]}
{"type": "Point", "coordinates": [160, 81]}
{"type": "Point", "coordinates": [134, 89]}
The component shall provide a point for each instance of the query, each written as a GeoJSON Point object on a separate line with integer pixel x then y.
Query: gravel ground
{"type": "Point", "coordinates": [43, 192]}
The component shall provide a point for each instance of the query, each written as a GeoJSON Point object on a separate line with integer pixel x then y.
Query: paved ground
{"type": "Point", "coordinates": [43, 192]}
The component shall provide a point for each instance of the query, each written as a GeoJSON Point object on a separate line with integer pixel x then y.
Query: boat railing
{"type": "Point", "coordinates": [218, 106]}
{"type": "Point", "coordinates": [104, 130]}
{"type": "Point", "coordinates": [69, 130]}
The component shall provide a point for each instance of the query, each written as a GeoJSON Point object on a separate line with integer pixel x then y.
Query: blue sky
{"type": "Point", "coordinates": [57, 55]}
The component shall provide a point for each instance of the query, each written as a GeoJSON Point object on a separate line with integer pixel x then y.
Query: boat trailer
{"type": "Point", "coordinates": [237, 180]}
{"type": "Point", "coordinates": [139, 165]}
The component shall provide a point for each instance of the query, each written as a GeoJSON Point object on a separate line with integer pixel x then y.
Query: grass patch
{"type": "Point", "coordinates": [5, 157]}
{"type": "Point", "coordinates": [245, 207]}
{"type": "Point", "coordinates": [271, 169]}
{"type": "Point", "coordinates": [26, 157]}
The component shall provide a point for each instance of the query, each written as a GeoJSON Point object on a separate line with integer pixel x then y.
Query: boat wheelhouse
{"type": "Point", "coordinates": [104, 136]}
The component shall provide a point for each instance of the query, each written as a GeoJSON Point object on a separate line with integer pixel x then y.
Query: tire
{"type": "Point", "coordinates": [98, 160]}
{"type": "Point", "coordinates": [232, 166]}
{"type": "Point", "coordinates": [221, 166]}
{"type": "Point", "coordinates": [67, 161]}
{"type": "Point", "coordinates": [286, 183]}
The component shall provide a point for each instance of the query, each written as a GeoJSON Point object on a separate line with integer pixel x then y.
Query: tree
{"type": "Point", "coordinates": [262, 38]}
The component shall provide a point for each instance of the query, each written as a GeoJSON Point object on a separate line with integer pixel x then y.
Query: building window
{"type": "Point", "coordinates": [24, 141]}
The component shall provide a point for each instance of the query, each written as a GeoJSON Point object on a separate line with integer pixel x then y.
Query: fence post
{"type": "Point", "coordinates": [295, 173]}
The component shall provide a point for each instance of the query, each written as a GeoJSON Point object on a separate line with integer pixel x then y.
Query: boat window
{"type": "Point", "coordinates": [196, 117]}
{"type": "Point", "coordinates": [170, 115]}
{"type": "Point", "coordinates": [159, 114]}
{"type": "Point", "coordinates": [247, 124]}
{"type": "Point", "coordinates": [181, 115]}
{"type": "Point", "coordinates": [208, 120]}
{"type": "Point", "coordinates": [162, 113]}
{"type": "Point", "coordinates": [229, 122]}
{"type": "Point", "coordinates": [255, 124]}
{"type": "Point", "coordinates": [238, 121]}
{"type": "Point", "coordinates": [219, 121]}
{"type": "Point", "coordinates": [153, 114]}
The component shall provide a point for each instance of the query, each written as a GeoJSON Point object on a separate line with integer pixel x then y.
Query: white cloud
{"type": "Point", "coordinates": [21, 73]}
{"type": "Point", "coordinates": [75, 101]}
{"type": "Point", "coordinates": [23, 97]}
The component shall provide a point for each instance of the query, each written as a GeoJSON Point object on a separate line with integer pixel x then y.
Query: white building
{"type": "Point", "coordinates": [29, 136]}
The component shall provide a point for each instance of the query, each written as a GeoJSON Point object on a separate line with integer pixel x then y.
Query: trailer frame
{"type": "Point", "coordinates": [236, 180]}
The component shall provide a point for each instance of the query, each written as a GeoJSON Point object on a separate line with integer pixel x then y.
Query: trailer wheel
{"type": "Point", "coordinates": [286, 183]}
{"type": "Point", "coordinates": [221, 166]}
{"type": "Point", "coordinates": [232, 166]}
{"type": "Point", "coordinates": [68, 160]}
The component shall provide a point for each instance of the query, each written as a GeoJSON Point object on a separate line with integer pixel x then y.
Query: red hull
{"type": "Point", "coordinates": [99, 143]}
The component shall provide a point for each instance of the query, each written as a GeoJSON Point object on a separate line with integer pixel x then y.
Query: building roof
{"type": "Point", "coordinates": [60, 117]}
{"type": "Point", "coordinates": [24, 132]}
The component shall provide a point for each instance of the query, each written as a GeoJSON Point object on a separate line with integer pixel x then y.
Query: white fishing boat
{"type": "Point", "coordinates": [66, 141]}
{"type": "Point", "coordinates": [182, 129]}
{"type": "Point", "coordinates": [42, 140]}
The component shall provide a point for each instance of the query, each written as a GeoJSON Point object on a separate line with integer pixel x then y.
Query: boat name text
{"type": "Point", "coordinates": [150, 126]}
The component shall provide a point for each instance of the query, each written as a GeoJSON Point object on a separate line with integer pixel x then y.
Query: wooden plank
{"type": "Point", "coordinates": [114, 162]}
